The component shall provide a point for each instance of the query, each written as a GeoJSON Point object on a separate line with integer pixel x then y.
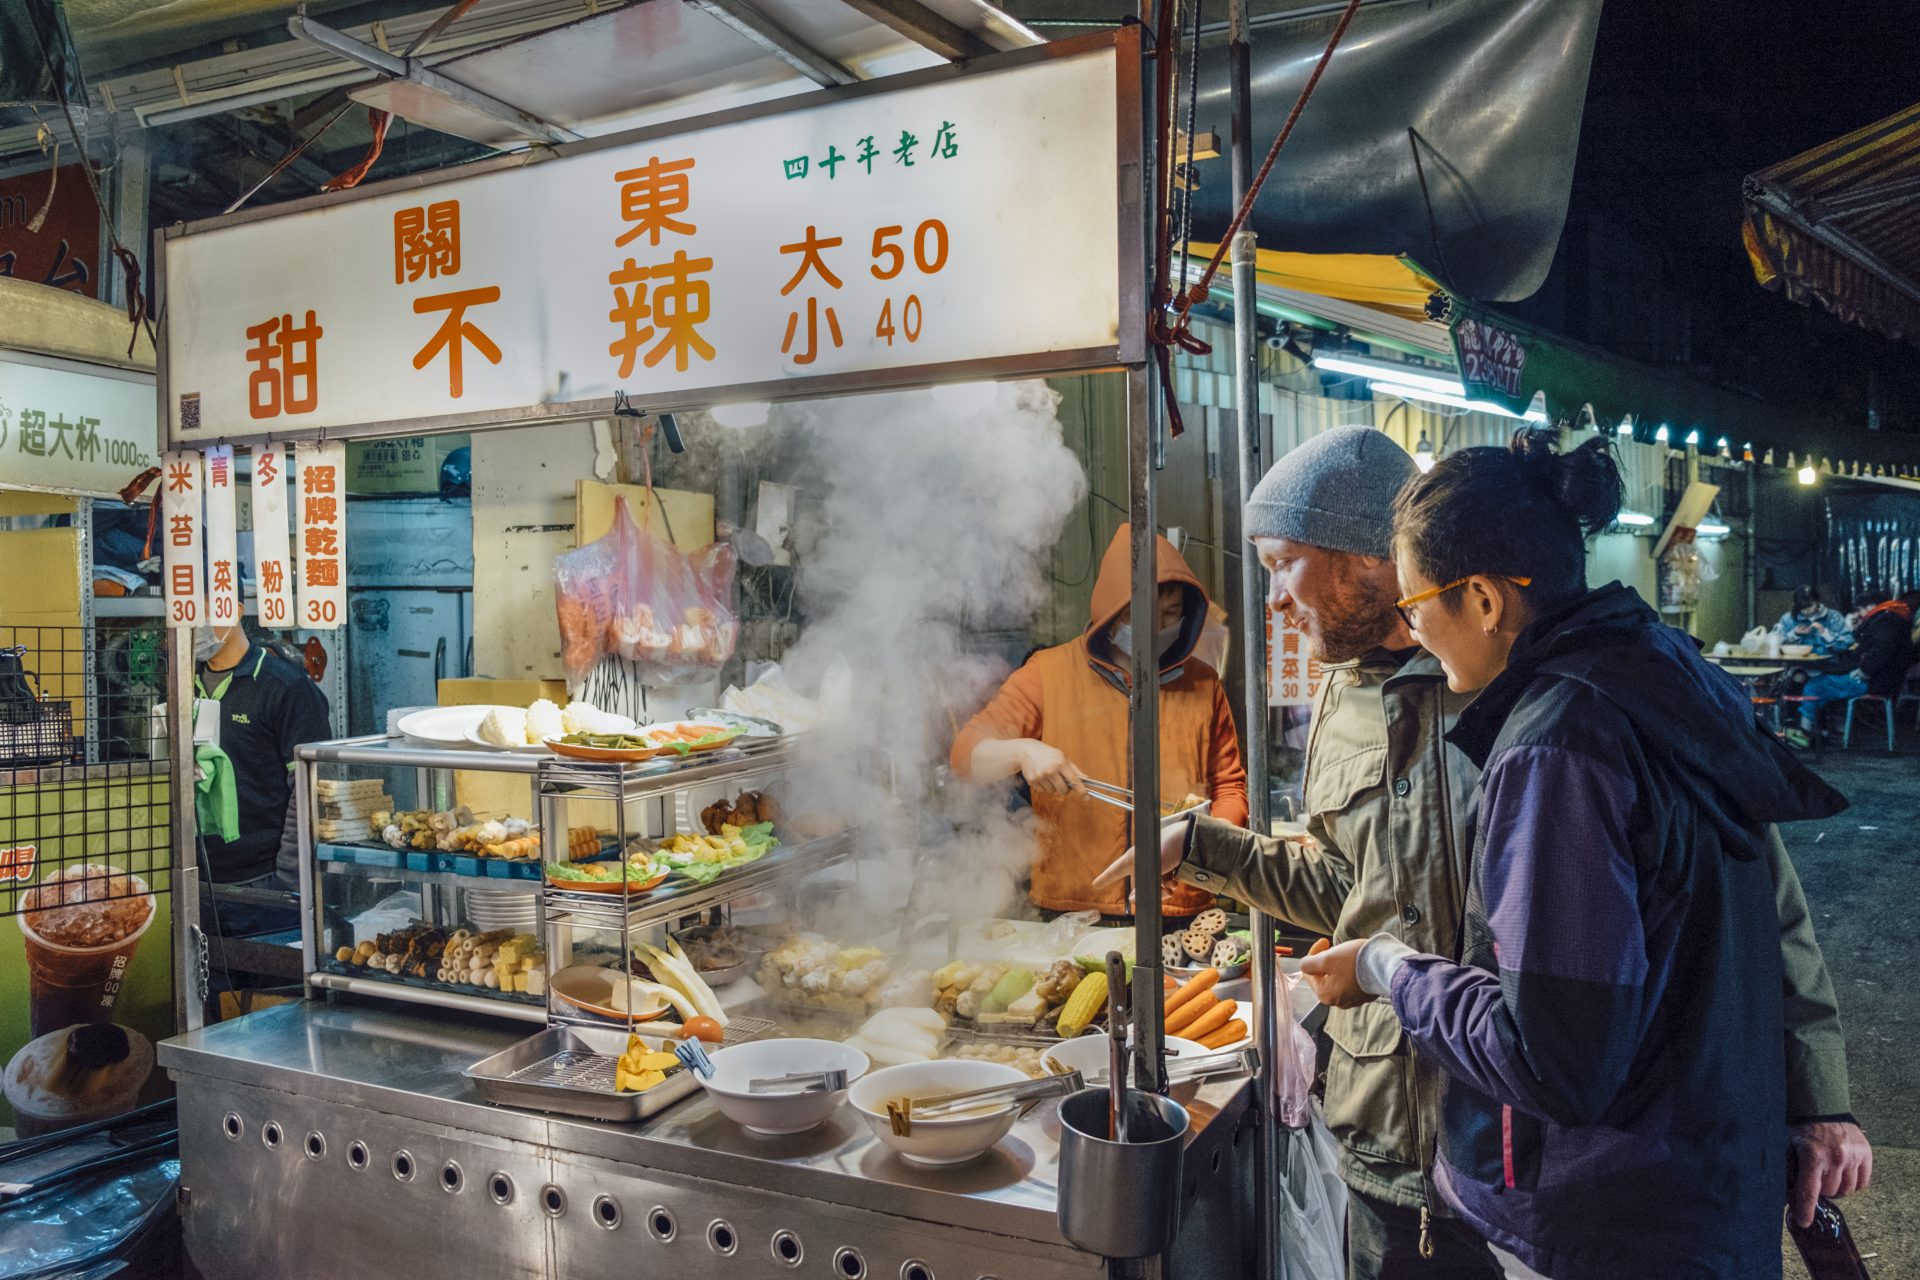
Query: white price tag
{"type": "Point", "coordinates": [272, 550]}
{"type": "Point", "coordinates": [223, 564]}
{"type": "Point", "coordinates": [181, 491]}
{"type": "Point", "coordinates": [322, 506]}
{"type": "Point", "coordinates": [1293, 673]}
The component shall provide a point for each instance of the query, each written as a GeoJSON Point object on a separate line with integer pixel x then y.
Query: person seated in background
{"type": "Point", "coordinates": [1812, 622]}
{"type": "Point", "coordinates": [1884, 638]}
{"type": "Point", "coordinates": [1062, 718]}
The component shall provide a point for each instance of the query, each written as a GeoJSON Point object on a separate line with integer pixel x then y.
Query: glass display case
{"type": "Point", "coordinates": [545, 888]}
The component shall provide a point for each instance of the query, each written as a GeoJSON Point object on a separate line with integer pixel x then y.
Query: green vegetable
{"type": "Point", "coordinates": [1098, 964]}
{"type": "Point", "coordinates": [599, 872]}
{"type": "Point", "coordinates": [1010, 988]}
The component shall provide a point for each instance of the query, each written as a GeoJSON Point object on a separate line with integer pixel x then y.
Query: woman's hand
{"type": "Point", "coordinates": [1332, 973]}
{"type": "Point", "coordinates": [1048, 771]}
{"type": "Point", "coordinates": [1173, 848]}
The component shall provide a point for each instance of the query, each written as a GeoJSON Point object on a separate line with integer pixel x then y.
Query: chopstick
{"type": "Point", "coordinates": [902, 1115]}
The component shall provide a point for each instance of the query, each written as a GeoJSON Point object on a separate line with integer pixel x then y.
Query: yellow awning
{"type": "Point", "coordinates": [1377, 280]}
{"type": "Point", "coordinates": [1836, 226]}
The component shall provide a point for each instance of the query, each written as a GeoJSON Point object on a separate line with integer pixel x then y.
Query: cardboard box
{"type": "Point", "coordinates": [402, 465]}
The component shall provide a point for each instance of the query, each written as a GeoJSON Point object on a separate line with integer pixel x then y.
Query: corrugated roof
{"type": "Point", "coordinates": [1840, 225]}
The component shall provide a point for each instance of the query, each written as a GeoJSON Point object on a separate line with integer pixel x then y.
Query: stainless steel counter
{"type": "Point", "coordinates": [369, 1084]}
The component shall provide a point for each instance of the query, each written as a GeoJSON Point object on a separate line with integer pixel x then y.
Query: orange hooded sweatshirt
{"type": "Point", "coordinates": [1074, 697]}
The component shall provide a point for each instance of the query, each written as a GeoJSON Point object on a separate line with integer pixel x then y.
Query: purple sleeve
{"type": "Point", "coordinates": [1555, 1030]}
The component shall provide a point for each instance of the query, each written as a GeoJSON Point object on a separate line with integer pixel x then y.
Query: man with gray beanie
{"type": "Point", "coordinates": [1388, 847]}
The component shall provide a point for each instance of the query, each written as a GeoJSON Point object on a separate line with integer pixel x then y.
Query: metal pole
{"type": "Point", "coordinates": [1253, 649]}
{"type": "Point", "coordinates": [1143, 709]}
{"type": "Point", "coordinates": [1750, 570]}
{"type": "Point", "coordinates": [189, 1013]}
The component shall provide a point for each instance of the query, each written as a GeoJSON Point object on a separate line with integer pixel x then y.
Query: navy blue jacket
{"type": "Point", "coordinates": [1616, 1104]}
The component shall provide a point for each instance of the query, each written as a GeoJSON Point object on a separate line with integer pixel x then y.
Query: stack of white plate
{"type": "Point", "coordinates": [490, 909]}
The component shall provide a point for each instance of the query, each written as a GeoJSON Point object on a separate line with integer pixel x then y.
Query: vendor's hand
{"type": "Point", "coordinates": [1173, 847]}
{"type": "Point", "coordinates": [1331, 972]}
{"type": "Point", "coordinates": [1832, 1159]}
{"type": "Point", "coordinates": [1049, 772]}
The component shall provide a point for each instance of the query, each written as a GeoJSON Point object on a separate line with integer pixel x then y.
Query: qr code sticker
{"type": "Point", "coordinates": [190, 412]}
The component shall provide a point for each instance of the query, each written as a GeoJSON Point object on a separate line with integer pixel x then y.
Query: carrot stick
{"type": "Point", "coordinates": [1193, 987]}
{"type": "Point", "coordinates": [1232, 1033]}
{"type": "Point", "coordinates": [1211, 1021]}
{"type": "Point", "coordinates": [1189, 1013]}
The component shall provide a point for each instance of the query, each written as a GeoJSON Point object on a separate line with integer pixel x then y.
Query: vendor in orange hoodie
{"type": "Point", "coordinates": [1062, 718]}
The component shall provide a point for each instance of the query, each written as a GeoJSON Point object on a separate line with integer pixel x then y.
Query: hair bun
{"type": "Point", "coordinates": [1584, 482]}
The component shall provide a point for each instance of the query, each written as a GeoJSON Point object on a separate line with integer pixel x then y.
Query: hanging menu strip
{"type": "Point", "coordinates": [180, 497]}
{"type": "Point", "coordinates": [272, 549]}
{"type": "Point", "coordinates": [321, 503]}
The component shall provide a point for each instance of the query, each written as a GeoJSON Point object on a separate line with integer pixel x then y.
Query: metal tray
{"type": "Point", "coordinates": [569, 1070]}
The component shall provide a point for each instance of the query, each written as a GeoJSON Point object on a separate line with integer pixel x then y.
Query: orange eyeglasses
{"type": "Point", "coordinates": [1405, 607]}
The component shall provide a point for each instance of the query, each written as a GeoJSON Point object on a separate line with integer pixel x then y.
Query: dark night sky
{"type": "Point", "coordinates": [1686, 98]}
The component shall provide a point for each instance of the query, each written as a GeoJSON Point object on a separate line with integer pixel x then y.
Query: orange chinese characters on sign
{"type": "Point", "coordinates": [455, 332]}
{"type": "Point", "coordinates": [286, 366]}
{"type": "Point", "coordinates": [651, 199]}
{"type": "Point", "coordinates": [426, 241]}
{"type": "Point", "coordinates": [679, 304]}
{"type": "Point", "coordinates": [810, 249]}
{"type": "Point", "coordinates": [666, 300]}
{"type": "Point", "coordinates": [320, 535]}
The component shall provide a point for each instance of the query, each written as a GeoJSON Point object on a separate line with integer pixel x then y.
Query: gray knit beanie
{"type": "Point", "coordinates": [1335, 491]}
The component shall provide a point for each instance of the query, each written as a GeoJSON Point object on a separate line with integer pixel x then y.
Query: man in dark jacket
{"type": "Point", "coordinates": [1884, 642]}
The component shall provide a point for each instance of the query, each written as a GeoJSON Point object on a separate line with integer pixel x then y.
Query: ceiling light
{"type": "Point", "coordinates": [1454, 399]}
{"type": "Point", "coordinates": [1423, 454]}
{"type": "Point", "coordinates": [1661, 436]}
{"type": "Point", "coordinates": [1713, 529]}
{"type": "Point", "coordinates": [1404, 375]}
{"type": "Point", "coordinates": [742, 413]}
{"type": "Point", "coordinates": [1693, 437]}
{"type": "Point", "coordinates": [1807, 475]}
{"type": "Point", "coordinates": [1625, 428]}
{"type": "Point", "coordinates": [1634, 519]}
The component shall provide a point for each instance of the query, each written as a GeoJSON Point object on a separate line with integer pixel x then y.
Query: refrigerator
{"type": "Point", "coordinates": [409, 605]}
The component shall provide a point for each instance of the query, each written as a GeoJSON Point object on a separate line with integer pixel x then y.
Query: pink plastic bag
{"type": "Point", "coordinates": [635, 596]}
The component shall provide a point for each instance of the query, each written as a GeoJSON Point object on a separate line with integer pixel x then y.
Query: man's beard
{"type": "Point", "coordinates": [1359, 619]}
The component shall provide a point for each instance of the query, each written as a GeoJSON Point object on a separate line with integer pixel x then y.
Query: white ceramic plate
{"type": "Point", "coordinates": [446, 726]}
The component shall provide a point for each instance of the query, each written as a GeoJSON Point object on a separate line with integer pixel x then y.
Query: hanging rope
{"type": "Point", "coordinates": [1165, 334]}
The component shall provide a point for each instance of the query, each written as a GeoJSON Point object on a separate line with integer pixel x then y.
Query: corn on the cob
{"type": "Point", "coordinates": [1083, 1005]}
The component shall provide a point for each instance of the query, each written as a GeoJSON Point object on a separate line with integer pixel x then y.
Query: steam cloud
{"type": "Point", "coordinates": [941, 511]}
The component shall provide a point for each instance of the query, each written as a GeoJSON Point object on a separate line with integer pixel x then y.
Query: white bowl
{"type": "Point", "coordinates": [951, 1140]}
{"type": "Point", "coordinates": [1089, 1055]}
{"type": "Point", "coordinates": [735, 1067]}
{"type": "Point", "coordinates": [1796, 651]}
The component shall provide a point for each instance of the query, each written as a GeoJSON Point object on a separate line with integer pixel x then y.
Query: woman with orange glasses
{"type": "Point", "coordinates": [1618, 1096]}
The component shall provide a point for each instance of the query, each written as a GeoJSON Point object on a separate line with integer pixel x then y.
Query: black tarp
{"type": "Point", "coordinates": [1489, 92]}
{"type": "Point", "coordinates": [36, 60]}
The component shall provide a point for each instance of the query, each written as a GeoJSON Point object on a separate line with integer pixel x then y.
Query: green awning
{"type": "Point", "coordinates": [1507, 362]}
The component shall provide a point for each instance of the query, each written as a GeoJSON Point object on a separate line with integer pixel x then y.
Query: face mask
{"type": "Point", "coordinates": [1165, 640]}
{"type": "Point", "coordinates": [206, 643]}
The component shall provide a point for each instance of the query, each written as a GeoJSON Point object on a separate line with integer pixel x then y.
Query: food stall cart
{"type": "Point", "coordinates": [396, 1118]}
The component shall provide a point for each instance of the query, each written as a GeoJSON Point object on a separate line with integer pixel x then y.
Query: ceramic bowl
{"type": "Point", "coordinates": [951, 1140]}
{"type": "Point", "coordinates": [735, 1067]}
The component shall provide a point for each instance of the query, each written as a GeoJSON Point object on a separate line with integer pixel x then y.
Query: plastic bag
{"type": "Point", "coordinates": [1293, 1068]}
{"type": "Point", "coordinates": [1313, 1203]}
{"type": "Point", "coordinates": [635, 596]}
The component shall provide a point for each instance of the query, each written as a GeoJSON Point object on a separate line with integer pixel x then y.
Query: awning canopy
{"type": "Point", "coordinates": [1507, 362]}
{"type": "Point", "coordinates": [1840, 225]}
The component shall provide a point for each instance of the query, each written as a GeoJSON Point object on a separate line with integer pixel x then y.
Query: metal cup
{"type": "Point", "coordinates": [1121, 1199]}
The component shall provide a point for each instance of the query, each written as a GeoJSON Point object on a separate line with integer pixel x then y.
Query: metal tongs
{"type": "Point", "coordinates": [901, 1114]}
{"type": "Point", "coordinates": [795, 1083]}
{"type": "Point", "coordinates": [1108, 793]}
{"type": "Point", "coordinates": [1234, 1062]}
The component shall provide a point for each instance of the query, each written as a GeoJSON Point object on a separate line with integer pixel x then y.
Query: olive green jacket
{"type": "Point", "coordinates": [1387, 803]}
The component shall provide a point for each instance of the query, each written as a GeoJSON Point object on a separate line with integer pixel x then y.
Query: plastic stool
{"type": "Point", "coordinates": [1796, 701]}
{"type": "Point", "coordinates": [1874, 699]}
